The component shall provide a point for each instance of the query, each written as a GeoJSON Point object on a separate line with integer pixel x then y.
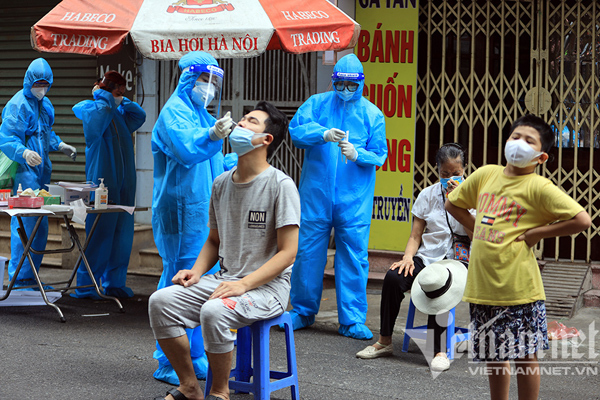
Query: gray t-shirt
{"type": "Point", "coordinates": [247, 216]}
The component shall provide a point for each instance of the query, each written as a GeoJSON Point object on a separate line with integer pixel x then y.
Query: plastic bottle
{"type": "Point", "coordinates": [101, 196]}
{"type": "Point", "coordinates": [19, 190]}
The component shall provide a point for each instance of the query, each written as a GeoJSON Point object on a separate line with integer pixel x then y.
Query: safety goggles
{"type": "Point", "coordinates": [351, 86]}
{"type": "Point", "coordinates": [40, 84]}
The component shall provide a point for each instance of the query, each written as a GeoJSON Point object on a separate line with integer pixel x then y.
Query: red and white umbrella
{"type": "Point", "coordinates": [168, 29]}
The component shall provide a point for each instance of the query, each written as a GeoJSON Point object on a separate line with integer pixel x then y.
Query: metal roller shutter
{"type": "Point", "coordinates": [73, 79]}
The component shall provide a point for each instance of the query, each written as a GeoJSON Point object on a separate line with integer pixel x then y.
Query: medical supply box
{"type": "Point", "coordinates": [71, 191]}
{"type": "Point", "coordinates": [25, 202]}
{"type": "Point", "coordinates": [54, 199]}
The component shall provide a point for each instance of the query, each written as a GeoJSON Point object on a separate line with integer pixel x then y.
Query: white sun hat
{"type": "Point", "coordinates": [439, 287]}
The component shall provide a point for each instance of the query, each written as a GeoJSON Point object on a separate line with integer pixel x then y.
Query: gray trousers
{"type": "Point", "coordinates": [176, 308]}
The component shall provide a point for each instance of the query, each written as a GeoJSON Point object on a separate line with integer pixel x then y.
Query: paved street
{"type": "Point", "coordinates": [104, 357]}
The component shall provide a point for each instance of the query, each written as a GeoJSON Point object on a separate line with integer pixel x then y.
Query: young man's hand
{"type": "Point", "coordinates": [185, 278]}
{"type": "Point", "coordinates": [228, 289]}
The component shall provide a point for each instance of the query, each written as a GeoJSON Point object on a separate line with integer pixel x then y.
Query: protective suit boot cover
{"type": "Point", "coordinates": [300, 321]}
{"type": "Point", "coordinates": [356, 331]}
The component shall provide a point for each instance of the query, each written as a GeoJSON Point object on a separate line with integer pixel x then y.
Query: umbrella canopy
{"type": "Point", "coordinates": [168, 29]}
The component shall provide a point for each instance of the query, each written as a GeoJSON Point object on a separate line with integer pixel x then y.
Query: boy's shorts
{"type": "Point", "coordinates": [503, 333]}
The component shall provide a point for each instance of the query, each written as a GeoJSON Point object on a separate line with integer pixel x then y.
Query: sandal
{"type": "Point", "coordinates": [177, 395]}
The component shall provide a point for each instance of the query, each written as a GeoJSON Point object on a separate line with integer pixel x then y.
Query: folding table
{"type": "Point", "coordinates": [75, 244]}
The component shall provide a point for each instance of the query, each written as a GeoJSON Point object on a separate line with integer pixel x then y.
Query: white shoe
{"type": "Point", "coordinates": [372, 352]}
{"type": "Point", "coordinates": [440, 363]}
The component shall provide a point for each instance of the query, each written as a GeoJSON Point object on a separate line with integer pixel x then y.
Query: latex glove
{"type": "Point", "coordinates": [68, 150]}
{"type": "Point", "coordinates": [32, 158]}
{"type": "Point", "coordinates": [222, 128]}
{"type": "Point", "coordinates": [348, 150]}
{"type": "Point", "coordinates": [334, 135]}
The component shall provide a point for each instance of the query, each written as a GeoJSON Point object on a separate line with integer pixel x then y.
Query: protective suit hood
{"type": "Point", "coordinates": [38, 70]}
{"type": "Point", "coordinates": [350, 63]}
{"type": "Point", "coordinates": [188, 78]}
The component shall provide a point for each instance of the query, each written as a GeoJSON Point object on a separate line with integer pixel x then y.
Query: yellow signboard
{"type": "Point", "coordinates": [387, 48]}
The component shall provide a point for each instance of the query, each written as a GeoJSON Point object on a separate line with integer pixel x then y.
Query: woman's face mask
{"type": "Point", "coordinates": [444, 181]}
{"type": "Point", "coordinates": [240, 140]}
{"type": "Point", "coordinates": [39, 92]}
{"type": "Point", "coordinates": [520, 154]}
{"type": "Point", "coordinates": [203, 93]}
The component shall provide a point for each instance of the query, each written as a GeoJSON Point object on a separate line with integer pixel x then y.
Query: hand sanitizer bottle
{"type": "Point", "coordinates": [19, 190]}
{"type": "Point", "coordinates": [101, 196]}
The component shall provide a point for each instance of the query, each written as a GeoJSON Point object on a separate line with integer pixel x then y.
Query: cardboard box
{"type": "Point", "coordinates": [25, 202]}
{"type": "Point", "coordinates": [73, 191]}
{"type": "Point", "coordinates": [51, 199]}
{"type": "Point", "coordinates": [57, 190]}
{"type": "Point", "coordinates": [74, 195]}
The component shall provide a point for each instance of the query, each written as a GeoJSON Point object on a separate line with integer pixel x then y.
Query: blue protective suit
{"type": "Point", "coordinates": [339, 195]}
{"type": "Point", "coordinates": [186, 162]}
{"type": "Point", "coordinates": [27, 124]}
{"type": "Point", "coordinates": [109, 154]}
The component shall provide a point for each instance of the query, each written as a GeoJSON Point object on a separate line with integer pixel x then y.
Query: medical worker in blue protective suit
{"type": "Point", "coordinates": [187, 146]}
{"type": "Point", "coordinates": [344, 138]}
{"type": "Point", "coordinates": [26, 137]}
{"type": "Point", "coordinates": [108, 122]}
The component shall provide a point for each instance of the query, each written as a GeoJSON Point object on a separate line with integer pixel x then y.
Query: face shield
{"type": "Point", "coordinates": [207, 89]}
{"type": "Point", "coordinates": [346, 84]}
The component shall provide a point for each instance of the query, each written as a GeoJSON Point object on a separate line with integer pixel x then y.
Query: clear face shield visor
{"type": "Point", "coordinates": [208, 88]}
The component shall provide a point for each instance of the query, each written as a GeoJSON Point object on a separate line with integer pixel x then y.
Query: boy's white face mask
{"type": "Point", "coordinates": [520, 154]}
{"type": "Point", "coordinates": [39, 92]}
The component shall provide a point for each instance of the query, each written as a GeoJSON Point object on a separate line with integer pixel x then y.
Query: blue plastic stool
{"type": "Point", "coordinates": [261, 386]}
{"type": "Point", "coordinates": [453, 334]}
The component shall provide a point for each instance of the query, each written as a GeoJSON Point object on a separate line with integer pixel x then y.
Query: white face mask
{"type": "Point", "coordinates": [39, 92]}
{"type": "Point", "coordinates": [520, 154]}
{"type": "Point", "coordinates": [203, 93]}
{"type": "Point", "coordinates": [118, 100]}
{"type": "Point", "coordinates": [345, 94]}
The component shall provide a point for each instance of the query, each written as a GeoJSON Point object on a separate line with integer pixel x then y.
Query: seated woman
{"type": "Point", "coordinates": [430, 241]}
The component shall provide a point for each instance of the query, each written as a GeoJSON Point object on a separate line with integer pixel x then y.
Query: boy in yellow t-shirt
{"type": "Point", "coordinates": [516, 208]}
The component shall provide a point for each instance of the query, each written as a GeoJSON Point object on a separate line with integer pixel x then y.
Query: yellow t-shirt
{"type": "Point", "coordinates": [502, 271]}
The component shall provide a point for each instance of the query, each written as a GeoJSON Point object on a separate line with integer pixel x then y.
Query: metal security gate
{"type": "Point", "coordinates": [483, 64]}
{"type": "Point", "coordinates": [283, 79]}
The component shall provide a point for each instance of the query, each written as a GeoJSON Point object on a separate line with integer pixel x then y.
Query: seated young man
{"type": "Point", "coordinates": [254, 217]}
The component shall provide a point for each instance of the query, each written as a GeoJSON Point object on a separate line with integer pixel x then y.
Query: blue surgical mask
{"type": "Point", "coordinates": [444, 181]}
{"type": "Point", "coordinates": [203, 93]}
{"type": "Point", "coordinates": [240, 140]}
{"type": "Point", "coordinates": [345, 94]}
